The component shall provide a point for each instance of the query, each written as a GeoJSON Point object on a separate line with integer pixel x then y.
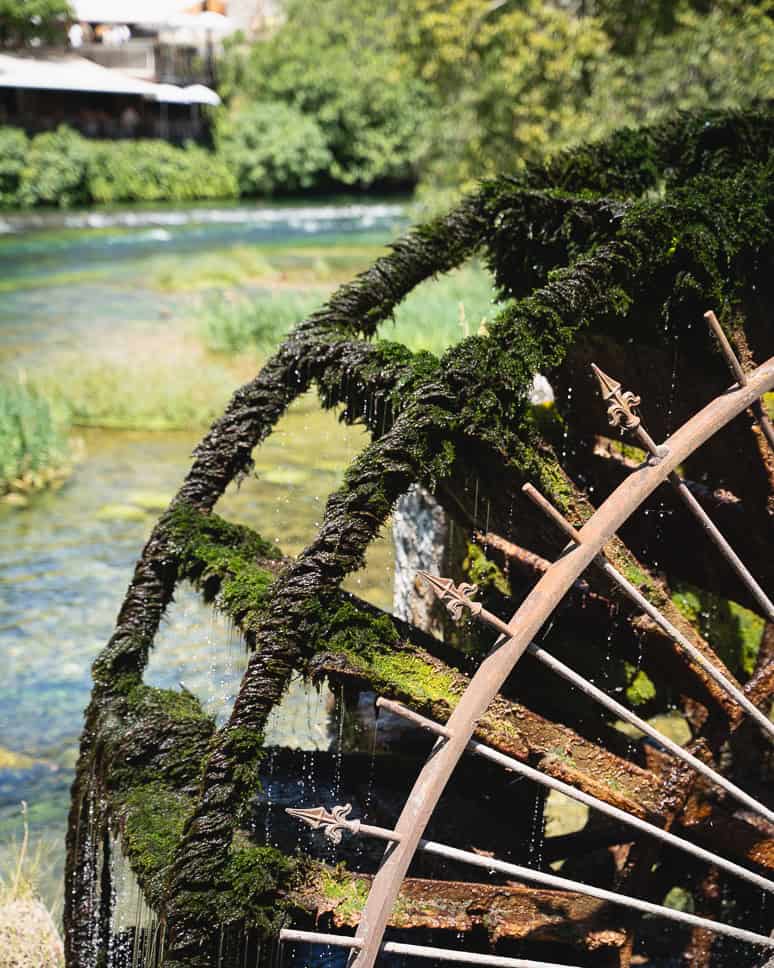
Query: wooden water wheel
{"type": "Point", "coordinates": [611, 253]}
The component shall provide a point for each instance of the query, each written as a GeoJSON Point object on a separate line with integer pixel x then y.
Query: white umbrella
{"type": "Point", "coordinates": [170, 94]}
{"type": "Point", "coordinates": [199, 94]}
{"type": "Point", "coordinates": [208, 20]}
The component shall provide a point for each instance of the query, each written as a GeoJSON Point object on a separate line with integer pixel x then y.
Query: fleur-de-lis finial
{"type": "Point", "coordinates": [455, 596]}
{"type": "Point", "coordinates": [332, 823]}
{"type": "Point", "coordinates": [620, 405]}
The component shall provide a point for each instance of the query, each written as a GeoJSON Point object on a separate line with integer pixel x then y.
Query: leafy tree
{"type": "Point", "coordinates": [336, 62]}
{"type": "Point", "coordinates": [271, 146]}
{"type": "Point", "coordinates": [25, 21]}
{"type": "Point", "coordinates": [723, 58]}
{"type": "Point", "coordinates": [511, 79]}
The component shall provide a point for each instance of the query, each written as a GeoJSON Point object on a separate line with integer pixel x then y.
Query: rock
{"type": "Point", "coordinates": [420, 531]}
{"type": "Point", "coordinates": [149, 500]}
{"type": "Point", "coordinates": [121, 512]}
{"type": "Point", "coordinates": [16, 500]}
{"type": "Point", "coordinates": [28, 936]}
{"type": "Point", "coordinates": [9, 760]}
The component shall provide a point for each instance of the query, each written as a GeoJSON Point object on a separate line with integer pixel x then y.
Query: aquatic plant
{"type": "Point", "coordinates": [433, 317]}
{"type": "Point", "coordinates": [34, 450]}
{"type": "Point", "coordinates": [610, 252]}
{"type": "Point", "coordinates": [233, 324]}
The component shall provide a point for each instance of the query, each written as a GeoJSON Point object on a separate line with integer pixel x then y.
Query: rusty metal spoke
{"type": "Point", "coordinates": [740, 376]}
{"type": "Point", "coordinates": [658, 617]}
{"type": "Point", "coordinates": [493, 865]}
{"type": "Point", "coordinates": [458, 599]}
{"type": "Point", "coordinates": [622, 413]}
{"type": "Point", "coordinates": [516, 766]}
{"type": "Point", "coordinates": [418, 951]}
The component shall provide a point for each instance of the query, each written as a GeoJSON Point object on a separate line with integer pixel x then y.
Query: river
{"type": "Point", "coordinates": [72, 282]}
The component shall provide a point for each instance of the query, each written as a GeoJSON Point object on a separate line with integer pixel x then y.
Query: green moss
{"type": "Point", "coordinates": [245, 750]}
{"type": "Point", "coordinates": [483, 572]}
{"type": "Point", "coordinates": [211, 550]}
{"type": "Point", "coordinates": [253, 888]}
{"type": "Point", "coordinates": [346, 891]}
{"type": "Point", "coordinates": [152, 819]}
{"type": "Point", "coordinates": [142, 700]}
{"type": "Point", "coordinates": [640, 689]}
{"type": "Point", "coordinates": [555, 485]}
{"type": "Point", "coordinates": [411, 675]}
{"type": "Point", "coordinates": [635, 575]}
{"type": "Point", "coordinates": [734, 632]}
{"type": "Point", "coordinates": [357, 632]}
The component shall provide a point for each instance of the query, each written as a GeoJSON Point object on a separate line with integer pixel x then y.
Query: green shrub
{"type": "Point", "coordinates": [150, 171]}
{"type": "Point", "coordinates": [55, 170]}
{"type": "Point", "coordinates": [31, 440]}
{"type": "Point", "coordinates": [231, 325]}
{"type": "Point", "coordinates": [271, 146]}
{"type": "Point", "coordinates": [62, 168]}
{"type": "Point", "coordinates": [13, 151]}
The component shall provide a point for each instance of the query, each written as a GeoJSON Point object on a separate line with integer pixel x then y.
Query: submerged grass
{"type": "Point", "coordinates": [234, 323]}
{"type": "Point", "coordinates": [433, 317]}
{"type": "Point", "coordinates": [34, 450]}
{"type": "Point", "coordinates": [278, 264]}
{"type": "Point", "coordinates": [442, 311]}
{"type": "Point", "coordinates": [140, 394]}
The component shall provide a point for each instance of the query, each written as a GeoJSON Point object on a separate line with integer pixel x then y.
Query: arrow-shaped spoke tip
{"type": "Point", "coordinates": [456, 597]}
{"type": "Point", "coordinates": [332, 823]}
{"type": "Point", "coordinates": [620, 404]}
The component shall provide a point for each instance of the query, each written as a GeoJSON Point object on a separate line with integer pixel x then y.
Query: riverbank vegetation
{"type": "Point", "coordinates": [34, 450]}
{"type": "Point", "coordinates": [65, 169]}
{"type": "Point", "coordinates": [28, 934]}
{"type": "Point", "coordinates": [421, 93]}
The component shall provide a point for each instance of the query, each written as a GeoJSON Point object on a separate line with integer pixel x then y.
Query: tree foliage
{"type": "Point", "coordinates": [448, 91]}
{"type": "Point", "coordinates": [271, 146]}
{"type": "Point", "coordinates": [23, 22]}
{"type": "Point", "coordinates": [337, 62]}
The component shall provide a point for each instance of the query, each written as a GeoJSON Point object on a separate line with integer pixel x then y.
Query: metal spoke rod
{"type": "Point", "coordinates": [418, 951]}
{"type": "Point", "coordinates": [457, 600]}
{"type": "Point", "coordinates": [658, 617]}
{"type": "Point", "coordinates": [740, 376]}
{"type": "Point", "coordinates": [509, 763]}
{"type": "Point", "coordinates": [621, 413]}
{"type": "Point", "coordinates": [492, 864]}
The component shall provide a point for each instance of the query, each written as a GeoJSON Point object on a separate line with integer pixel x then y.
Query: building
{"type": "Point", "coordinates": [135, 68]}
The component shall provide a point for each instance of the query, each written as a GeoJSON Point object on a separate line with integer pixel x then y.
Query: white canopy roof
{"type": "Point", "coordinates": [71, 73]}
{"type": "Point", "coordinates": [150, 12]}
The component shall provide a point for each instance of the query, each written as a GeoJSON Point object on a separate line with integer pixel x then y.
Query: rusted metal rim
{"type": "Point", "coordinates": [524, 625]}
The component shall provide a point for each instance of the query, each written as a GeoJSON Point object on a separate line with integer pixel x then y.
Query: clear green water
{"type": "Point", "coordinates": [66, 559]}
